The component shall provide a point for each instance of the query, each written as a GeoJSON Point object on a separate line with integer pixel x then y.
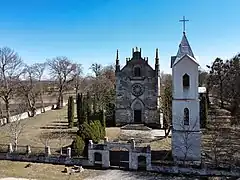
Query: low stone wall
{"type": "Point", "coordinates": [67, 159]}
{"type": "Point", "coordinates": [24, 115]}
{"type": "Point", "coordinates": [45, 157]}
{"type": "Point", "coordinates": [195, 171]}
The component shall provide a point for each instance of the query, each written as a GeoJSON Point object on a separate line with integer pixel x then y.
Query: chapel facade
{"type": "Point", "coordinates": [137, 90]}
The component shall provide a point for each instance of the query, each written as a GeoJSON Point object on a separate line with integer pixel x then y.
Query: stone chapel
{"type": "Point", "coordinates": [137, 90]}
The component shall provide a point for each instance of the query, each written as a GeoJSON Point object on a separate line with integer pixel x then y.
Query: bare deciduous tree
{"type": "Point", "coordinates": [187, 139]}
{"type": "Point", "coordinates": [96, 68]}
{"type": "Point", "coordinates": [64, 72]}
{"type": "Point", "coordinates": [16, 127]}
{"type": "Point", "coordinates": [78, 78]}
{"type": "Point", "coordinates": [28, 88]}
{"type": "Point", "coordinates": [166, 101]}
{"type": "Point", "coordinates": [45, 137]}
{"type": "Point", "coordinates": [38, 72]}
{"type": "Point", "coordinates": [10, 71]}
{"type": "Point", "coordinates": [221, 143]}
{"type": "Point", "coordinates": [103, 85]}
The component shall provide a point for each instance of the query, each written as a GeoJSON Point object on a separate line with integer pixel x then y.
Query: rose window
{"type": "Point", "coordinates": [137, 89]}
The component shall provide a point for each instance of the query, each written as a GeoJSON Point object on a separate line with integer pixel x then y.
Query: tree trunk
{"type": "Point", "coordinates": [42, 103]}
{"type": "Point", "coordinates": [60, 99]}
{"type": "Point", "coordinates": [7, 104]}
{"type": "Point", "coordinates": [61, 151]}
{"type": "Point", "coordinates": [1, 111]}
{"type": "Point", "coordinates": [32, 108]}
{"type": "Point", "coordinates": [76, 91]}
{"type": "Point", "coordinates": [15, 143]}
{"type": "Point", "coordinates": [61, 102]}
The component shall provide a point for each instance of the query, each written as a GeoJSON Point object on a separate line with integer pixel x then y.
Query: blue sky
{"type": "Point", "coordinates": [89, 31]}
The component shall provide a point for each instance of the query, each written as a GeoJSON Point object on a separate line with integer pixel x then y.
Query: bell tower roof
{"type": "Point", "coordinates": [183, 50]}
{"type": "Point", "coordinates": [184, 47]}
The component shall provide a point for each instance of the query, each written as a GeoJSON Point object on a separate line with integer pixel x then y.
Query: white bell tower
{"type": "Point", "coordinates": [186, 134]}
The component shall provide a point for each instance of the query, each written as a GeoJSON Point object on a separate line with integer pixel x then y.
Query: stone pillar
{"type": "Point", "coordinates": [133, 162]}
{"type": "Point", "coordinates": [10, 148]}
{"type": "Point", "coordinates": [91, 157]}
{"type": "Point", "coordinates": [90, 153]}
{"type": "Point", "coordinates": [90, 144]}
{"type": "Point", "coordinates": [148, 149]}
{"type": "Point", "coordinates": [61, 151]}
{"type": "Point", "coordinates": [105, 159]}
{"type": "Point", "coordinates": [28, 149]}
{"type": "Point", "coordinates": [69, 152]}
{"type": "Point", "coordinates": [133, 143]}
{"type": "Point", "coordinates": [47, 151]}
{"type": "Point", "coordinates": [105, 140]}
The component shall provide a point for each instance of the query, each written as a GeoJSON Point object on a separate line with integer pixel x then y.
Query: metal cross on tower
{"type": "Point", "coordinates": [183, 21]}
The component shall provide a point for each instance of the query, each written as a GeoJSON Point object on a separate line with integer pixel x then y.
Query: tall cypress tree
{"type": "Point", "coordinates": [78, 106]}
{"type": "Point", "coordinates": [88, 106]}
{"type": "Point", "coordinates": [94, 104]}
{"type": "Point", "coordinates": [70, 112]}
{"type": "Point", "coordinates": [82, 110]}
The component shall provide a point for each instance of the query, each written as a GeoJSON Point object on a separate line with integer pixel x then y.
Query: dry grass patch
{"type": "Point", "coordinates": [160, 144]}
{"type": "Point", "coordinates": [51, 123]}
{"type": "Point", "coordinates": [41, 171]}
{"type": "Point", "coordinates": [112, 133]}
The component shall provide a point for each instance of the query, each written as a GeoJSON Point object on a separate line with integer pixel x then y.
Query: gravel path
{"type": "Point", "coordinates": [130, 175]}
{"type": "Point", "coordinates": [11, 178]}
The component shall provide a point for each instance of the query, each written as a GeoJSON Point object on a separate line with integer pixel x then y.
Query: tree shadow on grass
{"type": "Point", "coordinates": [54, 127]}
{"type": "Point", "coordinates": [69, 134]}
{"type": "Point", "coordinates": [59, 122]}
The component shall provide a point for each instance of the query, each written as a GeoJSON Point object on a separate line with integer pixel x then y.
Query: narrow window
{"type": "Point", "coordinates": [186, 116]}
{"type": "Point", "coordinates": [137, 71]}
{"type": "Point", "coordinates": [186, 80]}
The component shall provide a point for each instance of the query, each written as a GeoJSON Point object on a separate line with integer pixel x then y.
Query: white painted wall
{"type": "Point", "coordinates": [178, 114]}
{"type": "Point", "coordinates": [25, 115]}
{"type": "Point", "coordinates": [188, 144]}
{"type": "Point", "coordinates": [186, 139]}
{"type": "Point", "coordinates": [186, 65]}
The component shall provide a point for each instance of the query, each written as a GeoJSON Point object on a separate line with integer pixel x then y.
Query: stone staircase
{"type": "Point", "coordinates": [140, 127]}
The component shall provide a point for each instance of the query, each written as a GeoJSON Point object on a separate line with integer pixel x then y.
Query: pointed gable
{"type": "Point", "coordinates": [184, 49]}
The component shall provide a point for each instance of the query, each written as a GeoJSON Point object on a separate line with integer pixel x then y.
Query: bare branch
{"type": "Point", "coordinates": [10, 71]}
{"type": "Point", "coordinates": [64, 72]}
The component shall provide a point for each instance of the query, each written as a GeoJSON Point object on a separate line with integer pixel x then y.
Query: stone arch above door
{"type": "Point", "coordinates": [137, 104]}
{"type": "Point", "coordinates": [138, 109]}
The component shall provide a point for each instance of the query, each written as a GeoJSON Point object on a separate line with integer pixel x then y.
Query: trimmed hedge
{"type": "Point", "coordinates": [78, 145]}
{"type": "Point", "coordinates": [94, 131]}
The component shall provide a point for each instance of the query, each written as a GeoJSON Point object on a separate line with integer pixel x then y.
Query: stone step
{"type": "Point", "coordinates": [136, 127]}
